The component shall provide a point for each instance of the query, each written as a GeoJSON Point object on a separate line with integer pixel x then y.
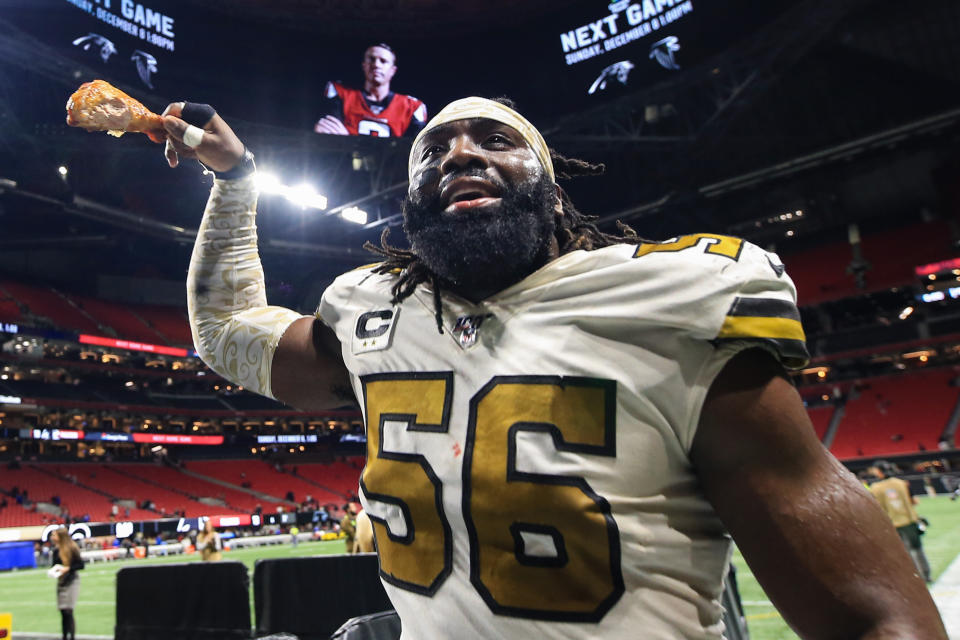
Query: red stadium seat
{"type": "Point", "coordinates": [173, 480]}
{"type": "Point", "coordinates": [56, 308]}
{"type": "Point", "coordinates": [169, 321]}
{"type": "Point", "coordinates": [820, 417]}
{"type": "Point", "coordinates": [121, 319]}
{"type": "Point", "coordinates": [897, 414]}
{"type": "Point", "coordinates": [131, 482]}
{"type": "Point", "coordinates": [341, 477]}
{"type": "Point", "coordinates": [263, 478]}
{"type": "Point", "coordinates": [9, 309]}
{"type": "Point", "coordinates": [821, 273]}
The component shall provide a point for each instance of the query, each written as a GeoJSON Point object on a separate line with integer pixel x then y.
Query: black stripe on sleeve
{"type": "Point", "coordinates": [764, 308]}
{"type": "Point", "coordinates": [792, 353]}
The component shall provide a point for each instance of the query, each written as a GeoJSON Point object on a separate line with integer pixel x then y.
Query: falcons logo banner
{"type": "Point", "coordinates": [662, 51]}
{"type": "Point", "coordinates": [96, 41]}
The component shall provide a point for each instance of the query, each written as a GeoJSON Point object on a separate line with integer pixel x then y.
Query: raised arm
{"type": "Point", "coordinates": [826, 555]}
{"type": "Point", "coordinates": [272, 351]}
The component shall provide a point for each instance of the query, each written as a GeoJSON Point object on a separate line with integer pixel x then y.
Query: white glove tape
{"type": "Point", "coordinates": [193, 136]}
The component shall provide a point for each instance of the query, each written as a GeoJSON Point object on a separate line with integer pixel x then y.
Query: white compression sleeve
{"type": "Point", "coordinates": [234, 331]}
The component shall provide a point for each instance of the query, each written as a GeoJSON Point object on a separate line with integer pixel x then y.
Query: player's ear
{"type": "Point", "coordinates": [558, 204]}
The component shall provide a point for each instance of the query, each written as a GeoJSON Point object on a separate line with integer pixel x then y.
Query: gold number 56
{"type": "Point", "coordinates": [505, 506]}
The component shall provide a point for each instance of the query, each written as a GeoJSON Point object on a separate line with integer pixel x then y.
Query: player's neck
{"type": "Point", "coordinates": [376, 91]}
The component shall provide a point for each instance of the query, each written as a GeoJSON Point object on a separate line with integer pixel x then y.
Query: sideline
{"type": "Point", "coordinates": [946, 593]}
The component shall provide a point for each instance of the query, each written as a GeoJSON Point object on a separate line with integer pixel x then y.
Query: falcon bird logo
{"type": "Point", "coordinates": [619, 70]}
{"type": "Point", "coordinates": [146, 64]}
{"type": "Point", "coordinates": [662, 51]}
{"type": "Point", "coordinates": [96, 40]}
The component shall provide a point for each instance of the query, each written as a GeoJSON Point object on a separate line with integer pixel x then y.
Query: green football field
{"type": "Point", "coordinates": [941, 544]}
{"type": "Point", "coordinates": [30, 596]}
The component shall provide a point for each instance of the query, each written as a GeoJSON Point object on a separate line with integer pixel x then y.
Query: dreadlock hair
{"type": "Point", "coordinates": [574, 230]}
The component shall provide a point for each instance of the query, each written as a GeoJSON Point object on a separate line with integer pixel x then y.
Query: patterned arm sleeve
{"type": "Point", "coordinates": [234, 331]}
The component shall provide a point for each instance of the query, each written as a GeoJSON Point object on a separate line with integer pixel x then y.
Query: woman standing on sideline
{"type": "Point", "coordinates": [66, 562]}
{"type": "Point", "coordinates": [209, 544]}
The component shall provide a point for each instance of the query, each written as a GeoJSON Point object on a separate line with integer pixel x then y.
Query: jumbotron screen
{"type": "Point", "coordinates": [579, 56]}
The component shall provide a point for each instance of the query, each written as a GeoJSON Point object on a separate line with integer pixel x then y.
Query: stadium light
{"type": "Point", "coordinates": [306, 196]}
{"type": "Point", "coordinates": [303, 195]}
{"type": "Point", "coordinates": [353, 214]}
{"type": "Point", "coordinates": [62, 170]}
{"type": "Point", "coordinates": [268, 183]}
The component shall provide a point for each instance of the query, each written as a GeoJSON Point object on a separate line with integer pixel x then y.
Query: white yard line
{"type": "Point", "coordinates": [946, 593]}
{"type": "Point", "coordinates": [53, 603]}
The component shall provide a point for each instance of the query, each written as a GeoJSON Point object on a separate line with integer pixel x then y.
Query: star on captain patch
{"type": "Point", "coordinates": [467, 328]}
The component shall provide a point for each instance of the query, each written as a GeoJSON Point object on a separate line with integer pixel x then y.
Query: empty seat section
{"type": "Point", "coordinates": [169, 321]}
{"type": "Point", "coordinates": [9, 310]}
{"type": "Point", "coordinates": [262, 477]}
{"type": "Point", "coordinates": [14, 515]}
{"type": "Point", "coordinates": [820, 417]}
{"type": "Point", "coordinates": [821, 273]}
{"type": "Point", "coordinates": [120, 319]}
{"type": "Point", "coordinates": [166, 501]}
{"type": "Point", "coordinates": [41, 487]}
{"type": "Point", "coordinates": [45, 302]}
{"type": "Point", "coordinates": [899, 414]}
{"type": "Point", "coordinates": [342, 477]}
{"type": "Point", "coordinates": [236, 501]}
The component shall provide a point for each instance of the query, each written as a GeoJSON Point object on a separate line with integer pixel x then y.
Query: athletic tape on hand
{"type": "Point", "coordinates": [196, 113]}
{"type": "Point", "coordinates": [193, 136]}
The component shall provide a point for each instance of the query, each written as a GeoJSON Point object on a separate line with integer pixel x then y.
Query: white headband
{"type": "Point", "coordinates": [474, 107]}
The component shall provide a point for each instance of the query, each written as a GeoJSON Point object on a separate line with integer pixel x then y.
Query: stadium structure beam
{"type": "Point", "coordinates": [15, 244]}
{"type": "Point", "coordinates": [883, 139]}
{"type": "Point", "coordinates": [98, 212]}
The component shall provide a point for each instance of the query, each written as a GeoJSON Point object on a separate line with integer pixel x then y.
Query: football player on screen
{"type": "Point", "coordinates": [575, 465]}
{"type": "Point", "coordinates": [376, 110]}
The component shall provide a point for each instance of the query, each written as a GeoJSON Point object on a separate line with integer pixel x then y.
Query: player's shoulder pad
{"type": "Point", "coordinates": [355, 289]}
{"type": "Point", "coordinates": [743, 292]}
{"type": "Point", "coordinates": [706, 244]}
{"type": "Point", "coordinates": [764, 307]}
{"type": "Point", "coordinates": [372, 265]}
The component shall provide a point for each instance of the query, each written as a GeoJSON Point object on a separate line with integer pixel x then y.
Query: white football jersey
{"type": "Point", "coordinates": [527, 470]}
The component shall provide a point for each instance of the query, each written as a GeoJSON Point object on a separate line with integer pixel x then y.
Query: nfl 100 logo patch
{"type": "Point", "coordinates": [467, 329]}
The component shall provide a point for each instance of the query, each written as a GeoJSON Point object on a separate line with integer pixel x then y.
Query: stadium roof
{"type": "Point", "coordinates": [846, 109]}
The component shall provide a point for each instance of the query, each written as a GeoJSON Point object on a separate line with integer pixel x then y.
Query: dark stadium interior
{"type": "Point", "coordinates": [829, 133]}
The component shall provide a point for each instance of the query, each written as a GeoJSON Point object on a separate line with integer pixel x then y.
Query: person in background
{"type": "Point", "coordinates": [894, 497]}
{"type": "Point", "coordinates": [348, 525]}
{"type": "Point", "coordinates": [294, 532]}
{"type": "Point", "coordinates": [375, 110]}
{"type": "Point", "coordinates": [209, 543]}
{"type": "Point", "coordinates": [363, 543]}
{"type": "Point", "coordinates": [66, 563]}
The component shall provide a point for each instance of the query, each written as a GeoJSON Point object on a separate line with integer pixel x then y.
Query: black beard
{"type": "Point", "coordinates": [485, 251]}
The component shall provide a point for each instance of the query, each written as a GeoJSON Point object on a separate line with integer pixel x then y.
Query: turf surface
{"type": "Point", "coordinates": [30, 595]}
{"type": "Point", "coordinates": [941, 544]}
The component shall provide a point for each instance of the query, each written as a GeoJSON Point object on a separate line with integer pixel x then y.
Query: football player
{"type": "Point", "coordinates": [376, 110]}
{"type": "Point", "coordinates": [562, 425]}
